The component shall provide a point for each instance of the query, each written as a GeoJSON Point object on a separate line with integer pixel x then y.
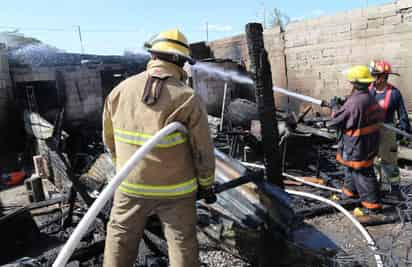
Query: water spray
{"type": "Point", "coordinates": [227, 75]}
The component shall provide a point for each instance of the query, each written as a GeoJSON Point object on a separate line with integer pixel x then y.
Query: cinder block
{"type": "Point", "coordinates": [373, 32]}
{"type": "Point", "coordinates": [375, 23]}
{"type": "Point", "coordinates": [403, 4]}
{"type": "Point", "coordinates": [359, 25]}
{"type": "Point", "coordinates": [344, 36]}
{"type": "Point", "coordinates": [407, 18]}
{"type": "Point", "coordinates": [393, 20]}
{"type": "Point", "coordinates": [330, 84]}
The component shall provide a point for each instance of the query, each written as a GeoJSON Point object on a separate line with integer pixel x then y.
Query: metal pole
{"type": "Point", "coordinates": [80, 38]}
{"type": "Point", "coordinates": [223, 106]}
{"type": "Point", "coordinates": [207, 31]}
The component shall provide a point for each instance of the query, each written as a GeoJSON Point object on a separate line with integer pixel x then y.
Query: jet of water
{"type": "Point", "coordinates": [222, 73]}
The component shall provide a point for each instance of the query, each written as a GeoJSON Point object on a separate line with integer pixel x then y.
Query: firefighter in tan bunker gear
{"type": "Point", "coordinates": [166, 181]}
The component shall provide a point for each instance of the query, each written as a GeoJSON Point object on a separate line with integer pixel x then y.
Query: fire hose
{"type": "Point", "coordinates": [114, 183]}
{"type": "Point", "coordinates": [323, 103]}
{"type": "Point", "coordinates": [363, 231]}
{"type": "Point", "coordinates": [108, 192]}
{"type": "Point", "coordinates": [298, 179]}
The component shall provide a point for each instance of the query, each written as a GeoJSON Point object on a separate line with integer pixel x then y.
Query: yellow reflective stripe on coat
{"type": "Point", "coordinates": [136, 138]}
{"type": "Point", "coordinates": [160, 190]}
{"type": "Point", "coordinates": [207, 181]}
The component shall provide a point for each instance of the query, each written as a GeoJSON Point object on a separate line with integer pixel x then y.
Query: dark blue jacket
{"type": "Point", "coordinates": [358, 119]}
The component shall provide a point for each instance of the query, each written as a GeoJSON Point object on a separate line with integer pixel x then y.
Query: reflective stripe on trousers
{"type": "Point", "coordinates": [354, 164]}
{"type": "Point", "coordinates": [136, 138]}
{"type": "Point", "coordinates": [159, 190]}
{"type": "Point", "coordinates": [207, 181]}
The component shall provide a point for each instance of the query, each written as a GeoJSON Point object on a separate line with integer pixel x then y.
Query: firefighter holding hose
{"type": "Point", "coordinates": [391, 101]}
{"type": "Point", "coordinates": [358, 120]}
{"type": "Point", "coordinates": [167, 179]}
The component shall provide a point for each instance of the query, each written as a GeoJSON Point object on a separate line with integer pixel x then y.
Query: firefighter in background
{"type": "Point", "coordinates": [358, 120]}
{"type": "Point", "coordinates": [166, 180]}
{"type": "Point", "coordinates": [391, 101]}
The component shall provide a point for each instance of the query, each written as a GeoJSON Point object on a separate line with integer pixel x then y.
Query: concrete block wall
{"type": "Point", "coordinates": [84, 100]}
{"type": "Point", "coordinates": [318, 51]}
{"type": "Point", "coordinates": [5, 90]}
{"type": "Point", "coordinates": [311, 56]}
{"type": "Point", "coordinates": [32, 75]}
{"type": "Point", "coordinates": [235, 48]}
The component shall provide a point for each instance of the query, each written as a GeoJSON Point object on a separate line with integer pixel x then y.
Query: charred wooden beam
{"type": "Point", "coordinates": [84, 254]}
{"type": "Point", "coordinates": [47, 203]}
{"type": "Point", "coordinates": [321, 210]}
{"type": "Point", "coordinates": [262, 75]}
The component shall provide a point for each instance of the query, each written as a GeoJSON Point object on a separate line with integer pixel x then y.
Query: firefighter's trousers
{"type": "Point", "coordinates": [386, 164]}
{"type": "Point", "coordinates": [127, 222]}
{"type": "Point", "coordinates": [362, 183]}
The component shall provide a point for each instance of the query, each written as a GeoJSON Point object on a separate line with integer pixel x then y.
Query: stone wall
{"type": "Point", "coordinates": [311, 56]}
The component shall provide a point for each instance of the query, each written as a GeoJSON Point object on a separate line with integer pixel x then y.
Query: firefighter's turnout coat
{"type": "Point", "coordinates": [138, 108]}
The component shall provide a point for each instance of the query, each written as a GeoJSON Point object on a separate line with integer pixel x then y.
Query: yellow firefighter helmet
{"type": "Point", "coordinates": [171, 42]}
{"type": "Point", "coordinates": [360, 74]}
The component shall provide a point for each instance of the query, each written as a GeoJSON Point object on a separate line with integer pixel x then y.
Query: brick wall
{"type": "Point", "coordinates": [312, 55]}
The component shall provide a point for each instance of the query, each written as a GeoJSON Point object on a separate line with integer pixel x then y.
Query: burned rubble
{"type": "Point", "coordinates": [58, 99]}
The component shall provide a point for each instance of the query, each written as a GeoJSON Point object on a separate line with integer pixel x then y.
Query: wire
{"type": "Point", "coordinates": [119, 30]}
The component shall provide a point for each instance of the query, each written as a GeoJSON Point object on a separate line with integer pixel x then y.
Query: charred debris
{"type": "Point", "coordinates": [54, 165]}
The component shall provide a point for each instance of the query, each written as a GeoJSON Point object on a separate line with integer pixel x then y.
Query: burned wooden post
{"type": "Point", "coordinates": [262, 76]}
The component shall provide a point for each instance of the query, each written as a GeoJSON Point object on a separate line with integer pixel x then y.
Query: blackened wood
{"type": "Point", "coordinates": [262, 75]}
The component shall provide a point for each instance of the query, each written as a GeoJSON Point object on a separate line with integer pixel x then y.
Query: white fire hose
{"type": "Point", "coordinates": [363, 231]}
{"type": "Point", "coordinates": [109, 190]}
{"type": "Point", "coordinates": [298, 179]}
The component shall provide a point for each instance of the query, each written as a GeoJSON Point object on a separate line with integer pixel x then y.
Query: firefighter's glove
{"type": "Point", "coordinates": [207, 194]}
{"type": "Point", "coordinates": [336, 102]}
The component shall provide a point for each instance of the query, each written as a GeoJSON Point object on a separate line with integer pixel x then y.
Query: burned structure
{"type": "Point", "coordinates": [52, 105]}
{"type": "Point", "coordinates": [38, 79]}
{"type": "Point", "coordinates": [57, 100]}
